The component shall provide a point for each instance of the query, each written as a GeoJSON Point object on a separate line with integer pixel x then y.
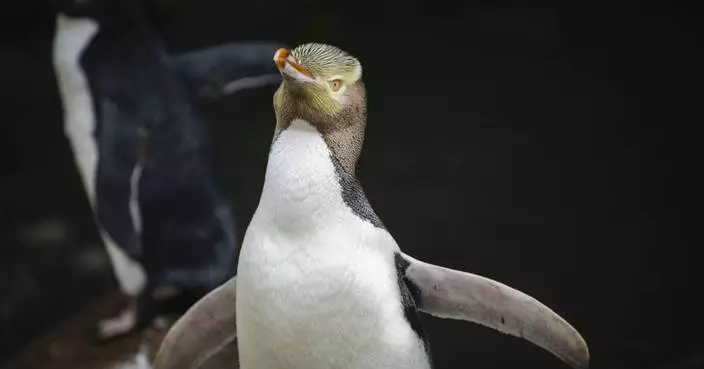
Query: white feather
{"type": "Point", "coordinates": [316, 285]}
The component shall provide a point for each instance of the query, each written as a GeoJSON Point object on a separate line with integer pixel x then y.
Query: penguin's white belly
{"type": "Point", "coordinates": [336, 306]}
{"type": "Point", "coordinates": [316, 284]}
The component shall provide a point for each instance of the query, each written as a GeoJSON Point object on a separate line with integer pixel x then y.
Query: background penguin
{"type": "Point", "coordinates": [143, 151]}
{"type": "Point", "coordinates": [321, 283]}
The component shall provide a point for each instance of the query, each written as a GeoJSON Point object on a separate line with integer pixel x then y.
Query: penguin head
{"type": "Point", "coordinates": [323, 85]}
{"type": "Point", "coordinates": [322, 78]}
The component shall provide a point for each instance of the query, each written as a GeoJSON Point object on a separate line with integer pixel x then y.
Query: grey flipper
{"type": "Point", "coordinates": [447, 293]}
{"type": "Point", "coordinates": [205, 337]}
{"type": "Point", "coordinates": [225, 69]}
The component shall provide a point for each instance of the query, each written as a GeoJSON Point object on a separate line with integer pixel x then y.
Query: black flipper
{"type": "Point", "coordinates": [225, 69]}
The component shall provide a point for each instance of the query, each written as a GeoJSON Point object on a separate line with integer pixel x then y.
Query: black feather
{"type": "Point", "coordinates": [353, 195]}
{"type": "Point", "coordinates": [411, 300]}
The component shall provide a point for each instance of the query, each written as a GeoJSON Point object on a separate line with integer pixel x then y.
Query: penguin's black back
{"type": "Point", "coordinates": [146, 115]}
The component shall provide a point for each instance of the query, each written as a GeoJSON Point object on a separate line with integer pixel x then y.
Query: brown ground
{"type": "Point", "coordinates": [68, 346]}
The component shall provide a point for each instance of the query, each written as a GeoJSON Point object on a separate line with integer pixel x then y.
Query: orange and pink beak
{"type": "Point", "coordinates": [288, 66]}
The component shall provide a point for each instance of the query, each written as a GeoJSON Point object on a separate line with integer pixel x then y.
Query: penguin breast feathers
{"type": "Point", "coordinates": [309, 263]}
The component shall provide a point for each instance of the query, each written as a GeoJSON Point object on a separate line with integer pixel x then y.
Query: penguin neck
{"type": "Point", "coordinates": [302, 188]}
{"type": "Point", "coordinates": [342, 131]}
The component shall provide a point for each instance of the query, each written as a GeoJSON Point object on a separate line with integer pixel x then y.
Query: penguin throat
{"type": "Point", "coordinates": [301, 187]}
{"type": "Point", "coordinates": [342, 131]}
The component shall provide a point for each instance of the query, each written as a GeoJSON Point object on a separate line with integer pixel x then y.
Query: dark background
{"type": "Point", "coordinates": [552, 148]}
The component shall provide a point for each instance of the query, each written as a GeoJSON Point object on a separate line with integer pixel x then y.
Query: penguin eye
{"type": "Point", "coordinates": [335, 84]}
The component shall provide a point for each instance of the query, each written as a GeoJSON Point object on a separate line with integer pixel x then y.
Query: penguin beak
{"type": "Point", "coordinates": [288, 67]}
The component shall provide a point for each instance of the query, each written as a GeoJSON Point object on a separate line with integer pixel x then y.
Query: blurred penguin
{"type": "Point", "coordinates": [143, 151]}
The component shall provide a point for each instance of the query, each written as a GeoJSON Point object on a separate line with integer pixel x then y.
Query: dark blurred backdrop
{"type": "Point", "coordinates": [550, 147]}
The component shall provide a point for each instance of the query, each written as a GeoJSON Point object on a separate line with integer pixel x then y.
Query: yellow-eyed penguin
{"type": "Point", "coordinates": [321, 283]}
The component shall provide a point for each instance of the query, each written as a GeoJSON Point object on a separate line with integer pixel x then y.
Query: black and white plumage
{"type": "Point", "coordinates": [321, 283]}
{"type": "Point", "coordinates": [142, 147]}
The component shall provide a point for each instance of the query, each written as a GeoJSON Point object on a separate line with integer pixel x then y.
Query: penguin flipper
{"type": "Point", "coordinates": [448, 293]}
{"type": "Point", "coordinates": [225, 69]}
{"type": "Point", "coordinates": [205, 336]}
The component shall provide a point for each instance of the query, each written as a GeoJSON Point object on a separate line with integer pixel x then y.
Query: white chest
{"type": "Point", "coordinates": [72, 37]}
{"type": "Point", "coordinates": [316, 284]}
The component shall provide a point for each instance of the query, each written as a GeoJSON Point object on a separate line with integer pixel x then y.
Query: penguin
{"type": "Point", "coordinates": [206, 336]}
{"type": "Point", "coordinates": [321, 283]}
{"type": "Point", "coordinates": [143, 152]}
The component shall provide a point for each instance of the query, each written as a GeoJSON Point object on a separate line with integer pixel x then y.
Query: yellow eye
{"type": "Point", "coordinates": [335, 84]}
